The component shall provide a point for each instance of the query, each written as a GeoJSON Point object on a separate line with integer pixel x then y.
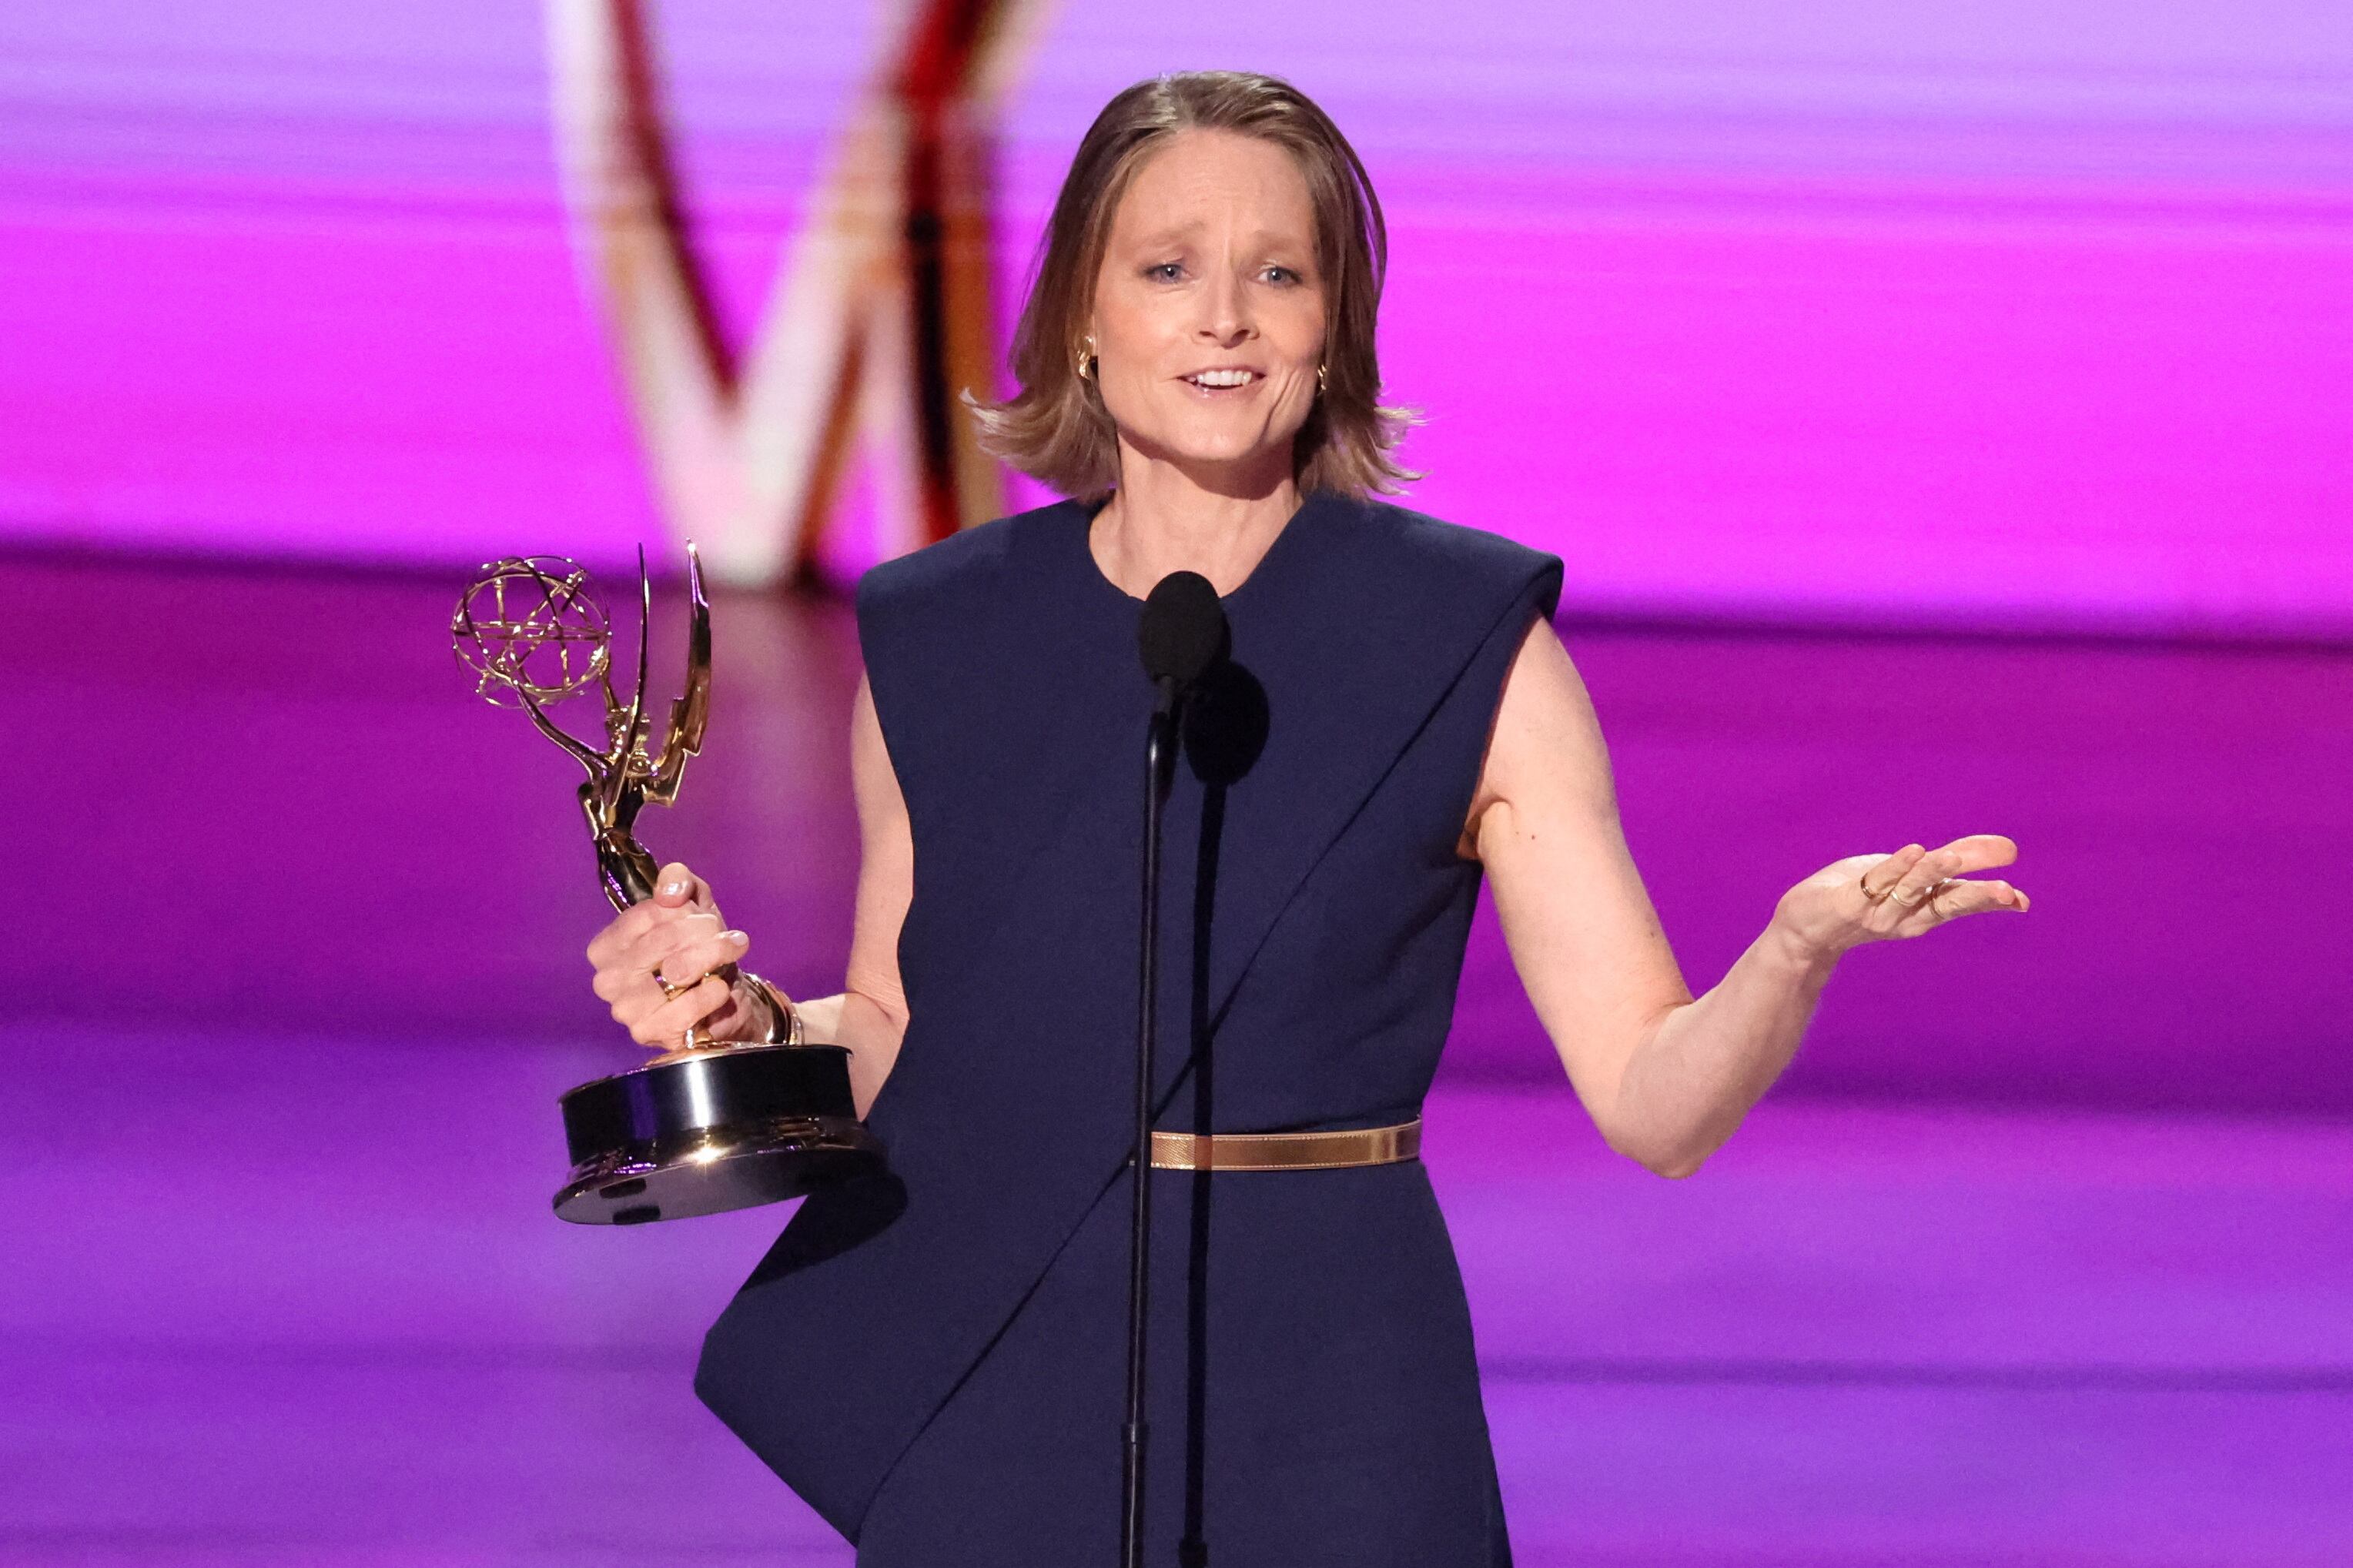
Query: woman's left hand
{"type": "Point", "coordinates": [1874, 897]}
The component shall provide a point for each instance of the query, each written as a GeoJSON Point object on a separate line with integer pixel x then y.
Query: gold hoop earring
{"type": "Point", "coordinates": [1322, 384]}
{"type": "Point", "coordinates": [1085, 358]}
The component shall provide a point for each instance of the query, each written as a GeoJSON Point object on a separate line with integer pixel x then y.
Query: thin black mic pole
{"type": "Point", "coordinates": [1181, 633]}
{"type": "Point", "coordinates": [1156, 747]}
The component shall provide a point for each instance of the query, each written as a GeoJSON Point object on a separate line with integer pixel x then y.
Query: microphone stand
{"type": "Point", "coordinates": [1159, 746]}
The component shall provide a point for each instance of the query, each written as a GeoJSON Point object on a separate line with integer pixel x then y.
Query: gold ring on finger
{"type": "Point", "coordinates": [672, 992]}
{"type": "Point", "coordinates": [1925, 894]}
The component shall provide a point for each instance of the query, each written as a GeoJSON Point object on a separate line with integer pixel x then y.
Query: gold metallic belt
{"type": "Point", "coordinates": [1286, 1151]}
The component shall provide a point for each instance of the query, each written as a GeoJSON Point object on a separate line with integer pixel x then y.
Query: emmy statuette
{"type": "Point", "coordinates": [711, 1126]}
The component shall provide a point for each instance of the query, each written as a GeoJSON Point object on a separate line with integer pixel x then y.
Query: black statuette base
{"type": "Point", "coordinates": [712, 1131]}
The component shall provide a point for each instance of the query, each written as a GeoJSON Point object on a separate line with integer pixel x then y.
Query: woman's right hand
{"type": "Point", "coordinates": [677, 935]}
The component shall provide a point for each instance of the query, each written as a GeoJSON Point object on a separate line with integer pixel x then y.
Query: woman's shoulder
{"type": "Point", "coordinates": [968, 562]}
{"type": "Point", "coordinates": [1437, 554]}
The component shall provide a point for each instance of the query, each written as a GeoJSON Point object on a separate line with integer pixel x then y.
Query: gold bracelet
{"type": "Point", "coordinates": [784, 1018]}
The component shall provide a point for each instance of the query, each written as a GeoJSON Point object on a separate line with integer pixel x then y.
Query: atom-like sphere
{"type": "Point", "coordinates": [529, 627]}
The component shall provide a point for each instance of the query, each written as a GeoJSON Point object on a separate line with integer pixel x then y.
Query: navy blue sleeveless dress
{"type": "Point", "coordinates": [935, 1361]}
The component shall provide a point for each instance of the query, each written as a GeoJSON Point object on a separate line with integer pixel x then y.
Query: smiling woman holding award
{"type": "Point", "coordinates": [1363, 713]}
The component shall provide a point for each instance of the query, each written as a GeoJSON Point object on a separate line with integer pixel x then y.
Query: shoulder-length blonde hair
{"type": "Point", "coordinates": [1056, 429]}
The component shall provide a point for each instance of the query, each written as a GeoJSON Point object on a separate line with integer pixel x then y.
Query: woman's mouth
{"type": "Point", "coordinates": [1222, 380]}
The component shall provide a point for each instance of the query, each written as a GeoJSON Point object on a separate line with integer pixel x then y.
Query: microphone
{"type": "Point", "coordinates": [1182, 634]}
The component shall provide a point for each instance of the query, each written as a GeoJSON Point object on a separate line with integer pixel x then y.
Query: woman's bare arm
{"type": "Point", "coordinates": [1667, 1078]}
{"type": "Point", "coordinates": [869, 1017]}
{"type": "Point", "coordinates": [1582, 933]}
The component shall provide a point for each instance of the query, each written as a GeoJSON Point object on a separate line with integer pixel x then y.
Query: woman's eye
{"type": "Point", "coordinates": [1279, 275]}
{"type": "Point", "coordinates": [1167, 272]}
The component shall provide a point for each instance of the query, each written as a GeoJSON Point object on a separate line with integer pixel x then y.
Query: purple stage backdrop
{"type": "Point", "coordinates": [1885, 315]}
{"type": "Point", "coordinates": [2015, 313]}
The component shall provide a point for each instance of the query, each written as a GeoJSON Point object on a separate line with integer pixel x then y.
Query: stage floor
{"type": "Point", "coordinates": [299, 1303]}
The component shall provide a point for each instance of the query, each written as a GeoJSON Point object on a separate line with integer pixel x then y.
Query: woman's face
{"type": "Point", "coordinates": [1208, 310]}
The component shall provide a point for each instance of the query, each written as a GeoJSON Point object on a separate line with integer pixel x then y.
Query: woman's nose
{"type": "Point", "coordinates": [1225, 314]}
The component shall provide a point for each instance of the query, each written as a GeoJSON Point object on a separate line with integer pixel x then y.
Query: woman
{"type": "Point", "coordinates": [935, 1362]}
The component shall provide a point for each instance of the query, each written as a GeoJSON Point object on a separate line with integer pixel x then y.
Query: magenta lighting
{"type": "Point", "coordinates": [2020, 314]}
{"type": "Point", "coordinates": [1747, 972]}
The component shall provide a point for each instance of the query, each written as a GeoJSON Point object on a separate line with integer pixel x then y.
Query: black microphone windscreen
{"type": "Point", "coordinates": [1182, 632]}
